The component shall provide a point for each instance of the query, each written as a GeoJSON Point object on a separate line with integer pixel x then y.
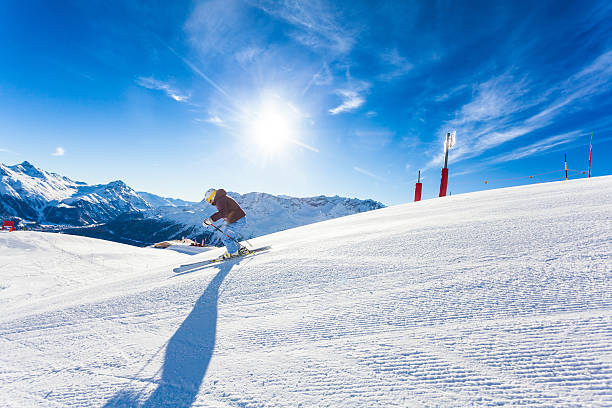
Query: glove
{"type": "Point", "coordinates": [207, 222]}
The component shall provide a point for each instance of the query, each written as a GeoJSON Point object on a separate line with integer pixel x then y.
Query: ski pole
{"type": "Point", "coordinates": [246, 240]}
{"type": "Point", "coordinates": [221, 231]}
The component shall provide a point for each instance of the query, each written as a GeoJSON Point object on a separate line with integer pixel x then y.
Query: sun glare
{"type": "Point", "coordinates": [272, 127]}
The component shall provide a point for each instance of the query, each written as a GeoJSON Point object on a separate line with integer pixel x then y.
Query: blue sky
{"type": "Point", "coordinates": [306, 97]}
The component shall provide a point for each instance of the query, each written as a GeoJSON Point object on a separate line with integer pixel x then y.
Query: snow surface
{"type": "Point", "coordinates": [501, 297]}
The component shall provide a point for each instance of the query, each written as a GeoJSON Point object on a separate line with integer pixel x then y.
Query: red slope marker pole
{"type": "Point", "coordinates": [444, 178]}
{"type": "Point", "coordinates": [418, 188]}
{"type": "Point", "coordinates": [566, 166]}
{"type": "Point", "coordinates": [590, 154]}
{"type": "Point", "coordinates": [444, 182]}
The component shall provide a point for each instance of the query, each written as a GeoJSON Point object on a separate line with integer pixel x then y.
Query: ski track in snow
{"type": "Point", "coordinates": [493, 298]}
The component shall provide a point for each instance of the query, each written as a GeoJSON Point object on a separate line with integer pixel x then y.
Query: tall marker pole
{"type": "Point", "coordinates": [449, 142]}
{"type": "Point", "coordinates": [590, 154]}
{"type": "Point", "coordinates": [418, 188]}
{"type": "Point", "coordinates": [446, 150]}
{"type": "Point", "coordinates": [566, 166]}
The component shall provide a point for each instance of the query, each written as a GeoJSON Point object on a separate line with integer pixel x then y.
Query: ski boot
{"type": "Point", "coordinates": [223, 257]}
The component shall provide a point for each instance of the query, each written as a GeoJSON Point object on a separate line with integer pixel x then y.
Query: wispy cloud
{"type": "Point", "coordinates": [397, 65]}
{"type": "Point", "coordinates": [593, 79]}
{"type": "Point", "coordinates": [315, 24]}
{"type": "Point", "coordinates": [505, 108]}
{"type": "Point", "coordinates": [352, 98]}
{"type": "Point", "coordinates": [304, 145]}
{"type": "Point", "coordinates": [538, 147]}
{"type": "Point", "coordinates": [248, 54]}
{"type": "Point", "coordinates": [59, 151]}
{"type": "Point", "coordinates": [8, 151]}
{"type": "Point", "coordinates": [152, 83]}
{"type": "Point", "coordinates": [494, 99]}
{"type": "Point", "coordinates": [484, 122]}
{"type": "Point", "coordinates": [320, 78]}
{"type": "Point", "coordinates": [213, 120]}
{"type": "Point", "coordinates": [217, 27]}
{"type": "Point", "coordinates": [367, 173]}
{"type": "Point", "coordinates": [454, 91]}
{"type": "Point", "coordinates": [202, 75]}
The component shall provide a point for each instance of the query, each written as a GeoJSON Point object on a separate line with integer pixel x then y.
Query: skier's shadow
{"type": "Point", "coordinates": [188, 353]}
{"type": "Point", "coordinates": [192, 267]}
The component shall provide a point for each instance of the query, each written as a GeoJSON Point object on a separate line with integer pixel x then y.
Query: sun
{"type": "Point", "coordinates": [272, 127]}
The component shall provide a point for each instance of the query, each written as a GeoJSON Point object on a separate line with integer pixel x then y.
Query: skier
{"type": "Point", "coordinates": [234, 225]}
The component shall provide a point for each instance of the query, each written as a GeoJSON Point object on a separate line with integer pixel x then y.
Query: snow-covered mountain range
{"type": "Point", "coordinates": [35, 195]}
{"type": "Point", "coordinates": [115, 211]}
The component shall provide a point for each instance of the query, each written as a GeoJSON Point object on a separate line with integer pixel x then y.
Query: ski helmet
{"type": "Point", "coordinates": [209, 196]}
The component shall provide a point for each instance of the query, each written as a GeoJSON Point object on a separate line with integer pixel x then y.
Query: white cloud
{"type": "Point", "coordinates": [218, 27]}
{"type": "Point", "coordinates": [304, 145]}
{"type": "Point", "coordinates": [223, 26]}
{"type": "Point", "coordinates": [502, 110]}
{"type": "Point", "coordinates": [538, 147]}
{"type": "Point", "coordinates": [322, 77]}
{"type": "Point", "coordinates": [59, 151]}
{"type": "Point", "coordinates": [315, 24]}
{"type": "Point", "coordinates": [151, 83]}
{"type": "Point", "coordinates": [367, 173]}
{"type": "Point", "coordinates": [591, 80]}
{"type": "Point", "coordinates": [602, 64]}
{"type": "Point", "coordinates": [214, 119]}
{"type": "Point", "coordinates": [352, 98]}
{"type": "Point", "coordinates": [8, 151]}
{"type": "Point", "coordinates": [247, 55]}
{"type": "Point", "coordinates": [398, 65]}
{"type": "Point", "coordinates": [493, 139]}
{"type": "Point", "coordinates": [451, 93]}
{"type": "Point", "coordinates": [200, 73]}
{"type": "Point", "coordinates": [495, 99]}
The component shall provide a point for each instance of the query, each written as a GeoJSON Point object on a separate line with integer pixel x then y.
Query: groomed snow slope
{"type": "Point", "coordinates": [491, 298]}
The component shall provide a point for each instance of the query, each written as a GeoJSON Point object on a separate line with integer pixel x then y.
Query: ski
{"type": "Point", "coordinates": [251, 251]}
{"type": "Point", "coordinates": [199, 265]}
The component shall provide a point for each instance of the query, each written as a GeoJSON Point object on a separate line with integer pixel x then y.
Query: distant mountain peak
{"type": "Point", "coordinates": [29, 169]}
{"type": "Point", "coordinates": [118, 184]}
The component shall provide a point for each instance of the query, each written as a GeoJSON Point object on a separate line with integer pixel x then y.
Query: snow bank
{"type": "Point", "coordinates": [490, 298]}
{"type": "Point", "coordinates": [38, 266]}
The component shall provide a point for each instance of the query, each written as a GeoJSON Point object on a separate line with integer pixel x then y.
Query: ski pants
{"type": "Point", "coordinates": [234, 230]}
